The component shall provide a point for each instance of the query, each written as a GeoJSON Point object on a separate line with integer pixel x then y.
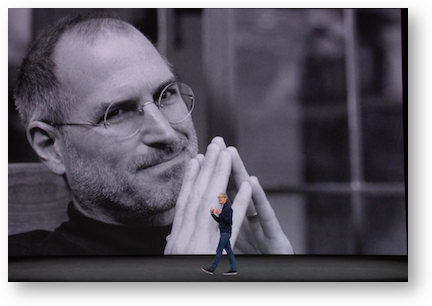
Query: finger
{"type": "Point", "coordinates": [250, 237]}
{"type": "Point", "coordinates": [266, 214]}
{"type": "Point", "coordinates": [238, 170]}
{"type": "Point", "coordinates": [206, 229]}
{"type": "Point", "coordinates": [218, 184]}
{"type": "Point", "coordinates": [240, 174]}
{"type": "Point", "coordinates": [240, 206]}
{"type": "Point", "coordinates": [205, 175]}
{"type": "Point", "coordinates": [220, 142]}
{"type": "Point", "coordinates": [189, 179]}
{"type": "Point", "coordinates": [200, 158]}
{"type": "Point", "coordinates": [195, 200]}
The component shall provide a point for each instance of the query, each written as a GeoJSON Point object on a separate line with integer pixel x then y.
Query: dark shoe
{"type": "Point", "coordinates": [230, 272]}
{"type": "Point", "coordinates": [208, 271]}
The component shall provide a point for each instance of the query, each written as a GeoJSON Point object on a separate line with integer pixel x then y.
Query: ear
{"type": "Point", "coordinates": [47, 142]}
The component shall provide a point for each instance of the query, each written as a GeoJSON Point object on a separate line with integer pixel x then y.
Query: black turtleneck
{"type": "Point", "coordinates": [81, 235]}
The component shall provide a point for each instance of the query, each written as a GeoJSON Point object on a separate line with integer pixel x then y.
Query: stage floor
{"type": "Point", "coordinates": [295, 268]}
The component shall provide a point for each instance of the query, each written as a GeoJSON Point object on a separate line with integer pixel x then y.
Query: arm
{"type": "Point", "coordinates": [215, 217]}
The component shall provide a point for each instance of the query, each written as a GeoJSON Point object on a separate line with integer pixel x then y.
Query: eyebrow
{"type": "Point", "coordinates": [101, 108]}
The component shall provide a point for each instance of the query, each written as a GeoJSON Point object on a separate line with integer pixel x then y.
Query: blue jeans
{"type": "Point", "coordinates": [224, 243]}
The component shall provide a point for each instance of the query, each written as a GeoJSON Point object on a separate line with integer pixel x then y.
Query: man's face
{"type": "Point", "coordinates": [221, 199]}
{"type": "Point", "coordinates": [127, 181]}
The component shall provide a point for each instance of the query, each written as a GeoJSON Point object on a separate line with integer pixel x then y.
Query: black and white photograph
{"type": "Point", "coordinates": [207, 145]}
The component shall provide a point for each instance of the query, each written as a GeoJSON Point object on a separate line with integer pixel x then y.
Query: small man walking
{"type": "Point", "coordinates": [224, 218]}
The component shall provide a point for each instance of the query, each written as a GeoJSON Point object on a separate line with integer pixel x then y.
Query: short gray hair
{"type": "Point", "coordinates": [38, 94]}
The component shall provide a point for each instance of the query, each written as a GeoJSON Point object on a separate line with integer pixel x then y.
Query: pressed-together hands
{"type": "Point", "coordinates": [255, 229]}
{"type": "Point", "coordinates": [217, 211]}
{"type": "Point", "coordinates": [193, 232]}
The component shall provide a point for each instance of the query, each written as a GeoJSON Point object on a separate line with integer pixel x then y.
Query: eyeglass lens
{"type": "Point", "coordinates": [176, 102]}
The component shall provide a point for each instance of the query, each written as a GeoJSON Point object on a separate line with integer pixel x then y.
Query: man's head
{"type": "Point", "coordinates": [222, 197]}
{"type": "Point", "coordinates": [72, 74]}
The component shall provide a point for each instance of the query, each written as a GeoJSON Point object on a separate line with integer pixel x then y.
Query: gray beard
{"type": "Point", "coordinates": [106, 194]}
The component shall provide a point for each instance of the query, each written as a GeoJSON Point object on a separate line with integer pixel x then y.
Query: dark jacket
{"type": "Point", "coordinates": [225, 218]}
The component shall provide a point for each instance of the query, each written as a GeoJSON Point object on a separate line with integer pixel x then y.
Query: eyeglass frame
{"type": "Point", "coordinates": [157, 103]}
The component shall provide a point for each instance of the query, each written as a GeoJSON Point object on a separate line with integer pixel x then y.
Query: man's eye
{"type": "Point", "coordinates": [116, 114]}
{"type": "Point", "coordinates": [169, 96]}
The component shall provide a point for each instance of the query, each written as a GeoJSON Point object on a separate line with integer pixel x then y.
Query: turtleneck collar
{"type": "Point", "coordinates": [97, 237]}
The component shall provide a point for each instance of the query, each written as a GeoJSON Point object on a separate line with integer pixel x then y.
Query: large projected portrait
{"type": "Point", "coordinates": [128, 126]}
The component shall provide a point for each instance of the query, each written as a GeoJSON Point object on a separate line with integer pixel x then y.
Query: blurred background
{"type": "Point", "coordinates": [312, 99]}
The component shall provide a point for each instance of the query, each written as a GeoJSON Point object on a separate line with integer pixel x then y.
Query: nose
{"type": "Point", "coordinates": [156, 128]}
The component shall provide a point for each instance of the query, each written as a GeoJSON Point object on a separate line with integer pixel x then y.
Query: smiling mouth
{"type": "Point", "coordinates": [172, 161]}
